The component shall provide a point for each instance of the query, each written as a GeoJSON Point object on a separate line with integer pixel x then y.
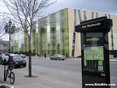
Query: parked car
{"type": "Point", "coordinates": [57, 57]}
{"type": "Point", "coordinates": [23, 56]}
{"type": "Point", "coordinates": [17, 60]}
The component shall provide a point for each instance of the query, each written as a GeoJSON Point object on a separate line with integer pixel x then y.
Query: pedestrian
{"type": "Point", "coordinates": [45, 55]}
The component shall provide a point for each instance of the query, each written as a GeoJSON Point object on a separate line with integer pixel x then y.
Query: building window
{"type": "Point", "coordinates": [74, 34]}
{"type": "Point", "coordinates": [85, 18]}
{"type": "Point", "coordinates": [79, 14]}
{"type": "Point", "coordinates": [96, 14]}
{"type": "Point", "coordinates": [43, 36]}
{"type": "Point", "coordinates": [63, 32]}
{"type": "Point", "coordinates": [53, 39]}
{"type": "Point", "coordinates": [92, 16]}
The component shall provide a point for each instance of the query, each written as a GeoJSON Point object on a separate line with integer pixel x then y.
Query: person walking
{"type": "Point", "coordinates": [45, 55]}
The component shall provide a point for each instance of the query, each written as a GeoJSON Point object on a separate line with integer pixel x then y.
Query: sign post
{"type": "Point", "coordinates": [95, 52]}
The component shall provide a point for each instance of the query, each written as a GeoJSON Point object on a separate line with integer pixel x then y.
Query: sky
{"type": "Point", "coordinates": [104, 6]}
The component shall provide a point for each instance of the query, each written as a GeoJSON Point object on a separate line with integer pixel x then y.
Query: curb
{"type": "Point", "coordinates": [80, 59]}
{"type": "Point", "coordinates": [113, 60]}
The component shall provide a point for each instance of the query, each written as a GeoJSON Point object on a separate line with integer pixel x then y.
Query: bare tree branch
{"type": "Point", "coordinates": [25, 12]}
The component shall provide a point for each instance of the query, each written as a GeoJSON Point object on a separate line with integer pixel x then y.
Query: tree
{"type": "Point", "coordinates": [2, 31]}
{"type": "Point", "coordinates": [25, 12]}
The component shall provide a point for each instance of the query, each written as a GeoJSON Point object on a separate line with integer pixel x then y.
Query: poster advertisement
{"type": "Point", "coordinates": [93, 58]}
{"type": "Point", "coordinates": [93, 53]}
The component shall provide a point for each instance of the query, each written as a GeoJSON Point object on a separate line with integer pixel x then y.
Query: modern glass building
{"type": "Point", "coordinates": [55, 33]}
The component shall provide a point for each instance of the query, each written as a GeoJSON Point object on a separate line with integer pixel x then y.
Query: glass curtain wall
{"type": "Point", "coordinates": [24, 45]}
{"type": "Point", "coordinates": [11, 46]}
{"type": "Point", "coordinates": [64, 38]}
{"type": "Point", "coordinates": [15, 43]}
{"type": "Point", "coordinates": [49, 35]}
{"type": "Point", "coordinates": [39, 37]}
{"type": "Point", "coordinates": [42, 37]}
{"type": "Point", "coordinates": [36, 38]}
{"type": "Point", "coordinates": [33, 39]}
{"type": "Point", "coordinates": [53, 34]}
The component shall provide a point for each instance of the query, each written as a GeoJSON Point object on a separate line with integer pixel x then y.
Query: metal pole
{"type": "Point", "coordinates": [9, 45]}
{"type": "Point", "coordinates": [4, 72]}
{"type": "Point", "coordinates": [9, 41]}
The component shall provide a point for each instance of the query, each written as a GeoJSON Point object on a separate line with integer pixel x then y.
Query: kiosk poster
{"type": "Point", "coordinates": [93, 58]}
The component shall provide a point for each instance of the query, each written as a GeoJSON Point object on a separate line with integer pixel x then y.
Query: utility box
{"type": "Point", "coordinates": [95, 52]}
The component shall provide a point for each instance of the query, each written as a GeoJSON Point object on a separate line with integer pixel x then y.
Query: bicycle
{"type": "Point", "coordinates": [8, 73]}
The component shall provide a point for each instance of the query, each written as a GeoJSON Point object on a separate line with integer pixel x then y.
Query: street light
{"type": "Point", "coordinates": [9, 29]}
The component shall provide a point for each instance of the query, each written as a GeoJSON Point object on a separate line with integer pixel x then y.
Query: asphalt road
{"type": "Point", "coordinates": [55, 74]}
{"type": "Point", "coordinates": [70, 70]}
{"type": "Point", "coordinates": [66, 71]}
{"type": "Point", "coordinates": [113, 72]}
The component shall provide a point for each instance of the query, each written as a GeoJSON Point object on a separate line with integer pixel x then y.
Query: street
{"type": "Point", "coordinates": [54, 74]}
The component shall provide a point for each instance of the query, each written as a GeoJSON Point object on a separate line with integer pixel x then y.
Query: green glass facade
{"type": "Point", "coordinates": [38, 39]}
{"type": "Point", "coordinates": [49, 35]}
{"type": "Point", "coordinates": [55, 34]}
{"type": "Point", "coordinates": [64, 38]}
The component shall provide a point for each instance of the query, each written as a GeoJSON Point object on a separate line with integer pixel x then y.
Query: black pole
{"type": "Point", "coordinates": [9, 50]}
{"type": "Point", "coordinates": [10, 25]}
{"type": "Point", "coordinates": [4, 72]}
{"type": "Point", "coordinates": [9, 42]}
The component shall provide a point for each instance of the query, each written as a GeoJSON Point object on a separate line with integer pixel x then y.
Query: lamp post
{"type": "Point", "coordinates": [9, 29]}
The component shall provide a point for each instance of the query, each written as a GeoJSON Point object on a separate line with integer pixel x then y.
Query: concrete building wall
{"type": "Point", "coordinates": [75, 16]}
{"type": "Point", "coordinates": [114, 28]}
{"type": "Point", "coordinates": [71, 27]}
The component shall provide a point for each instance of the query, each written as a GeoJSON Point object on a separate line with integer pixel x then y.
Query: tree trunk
{"type": "Point", "coordinates": [30, 59]}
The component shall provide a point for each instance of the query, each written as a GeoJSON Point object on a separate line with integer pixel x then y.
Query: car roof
{"type": "Point", "coordinates": [56, 54]}
{"type": "Point", "coordinates": [11, 54]}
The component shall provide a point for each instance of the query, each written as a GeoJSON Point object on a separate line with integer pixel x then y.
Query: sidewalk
{"type": "Point", "coordinates": [41, 80]}
{"type": "Point", "coordinates": [1, 74]}
{"type": "Point", "coordinates": [111, 59]}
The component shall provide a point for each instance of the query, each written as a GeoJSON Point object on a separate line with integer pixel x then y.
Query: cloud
{"type": "Point", "coordinates": [105, 6]}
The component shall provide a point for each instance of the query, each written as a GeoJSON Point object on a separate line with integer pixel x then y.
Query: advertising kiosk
{"type": "Point", "coordinates": [95, 52]}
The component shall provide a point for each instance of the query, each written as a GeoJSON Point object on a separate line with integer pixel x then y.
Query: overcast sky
{"type": "Point", "coordinates": [104, 6]}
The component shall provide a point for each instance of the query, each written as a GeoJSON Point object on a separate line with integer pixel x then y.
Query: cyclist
{"type": "Point", "coordinates": [8, 72]}
{"type": "Point", "coordinates": [10, 66]}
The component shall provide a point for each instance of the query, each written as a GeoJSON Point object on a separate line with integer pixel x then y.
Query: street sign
{"type": "Point", "coordinates": [95, 52]}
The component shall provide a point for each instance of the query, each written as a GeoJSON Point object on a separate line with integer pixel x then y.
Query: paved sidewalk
{"type": "Point", "coordinates": [37, 81]}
